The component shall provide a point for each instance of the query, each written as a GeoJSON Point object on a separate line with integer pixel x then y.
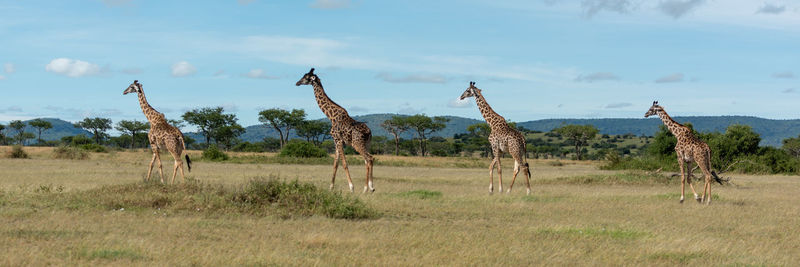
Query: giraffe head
{"type": "Point", "coordinates": [308, 78]}
{"type": "Point", "coordinates": [654, 110]}
{"type": "Point", "coordinates": [135, 87]}
{"type": "Point", "coordinates": [471, 91]}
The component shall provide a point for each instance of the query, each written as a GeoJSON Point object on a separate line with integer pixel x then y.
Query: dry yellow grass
{"type": "Point", "coordinates": [754, 223]}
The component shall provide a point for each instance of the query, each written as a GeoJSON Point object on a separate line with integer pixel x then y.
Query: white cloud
{"type": "Point", "coordinates": [597, 76]}
{"type": "Point", "coordinates": [771, 9]}
{"type": "Point", "coordinates": [182, 69]}
{"type": "Point", "coordinates": [619, 105]}
{"type": "Point", "coordinates": [458, 103]}
{"type": "Point", "coordinates": [783, 75]}
{"type": "Point", "coordinates": [9, 68]}
{"type": "Point", "coordinates": [678, 8]}
{"type": "Point", "coordinates": [412, 78]}
{"type": "Point", "coordinates": [592, 7]}
{"type": "Point", "coordinates": [330, 4]}
{"type": "Point", "coordinates": [2, 77]}
{"type": "Point", "coordinates": [259, 74]}
{"type": "Point", "coordinates": [672, 78]}
{"type": "Point", "coordinates": [788, 91]}
{"type": "Point", "coordinates": [72, 67]}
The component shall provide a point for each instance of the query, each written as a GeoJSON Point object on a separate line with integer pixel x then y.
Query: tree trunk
{"type": "Point", "coordinates": [396, 144]}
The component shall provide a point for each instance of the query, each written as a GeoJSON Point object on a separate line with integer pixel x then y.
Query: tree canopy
{"type": "Point", "coordinates": [97, 126]}
{"type": "Point", "coordinates": [282, 121]}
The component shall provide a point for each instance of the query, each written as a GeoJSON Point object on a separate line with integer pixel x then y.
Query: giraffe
{"type": "Point", "coordinates": [503, 138]}
{"type": "Point", "coordinates": [161, 135]}
{"type": "Point", "coordinates": [689, 149]}
{"type": "Point", "coordinates": [344, 131]}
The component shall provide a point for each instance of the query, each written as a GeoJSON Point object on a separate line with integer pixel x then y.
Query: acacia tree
{"type": "Point", "coordinates": [315, 131]}
{"type": "Point", "coordinates": [2, 136]}
{"type": "Point", "coordinates": [481, 132]}
{"type": "Point", "coordinates": [210, 122]}
{"type": "Point", "coordinates": [41, 126]}
{"type": "Point", "coordinates": [578, 135]}
{"type": "Point", "coordinates": [133, 128]}
{"type": "Point", "coordinates": [424, 126]}
{"type": "Point", "coordinates": [18, 126]}
{"type": "Point", "coordinates": [97, 126]}
{"type": "Point", "coordinates": [395, 126]}
{"type": "Point", "coordinates": [282, 121]}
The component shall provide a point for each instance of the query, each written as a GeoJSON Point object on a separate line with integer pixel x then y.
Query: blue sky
{"type": "Point", "coordinates": [533, 59]}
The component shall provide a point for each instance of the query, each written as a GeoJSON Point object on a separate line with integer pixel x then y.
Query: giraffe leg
{"type": "Point", "coordinates": [183, 176]}
{"type": "Point", "coordinates": [683, 175]}
{"type": "Point", "coordinates": [516, 171]}
{"type": "Point", "coordinates": [499, 174]}
{"type": "Point", "coordinates": [706, 168]}
{"type": "Point", "coordinates": [335, 165]}
{"type": "Point", "coordinates": [689, 180]}
{"type": "Point", "coordinates": [152, 161]}
{"type": "Point", "coordinates": [175, 167]}
{"type": "Point", "coordinates": [368, 182]}
{"type": "Point", "coordinates": [347, 171]}
{"type": "Point", "coordinates": [491, 175]}
{"type": "Point", "coordinates": [160, 167]}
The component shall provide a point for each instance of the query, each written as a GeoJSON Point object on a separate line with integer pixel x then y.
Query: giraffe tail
{"type": "Point", "coordinates": [528, 169]}
{"type": "Point", "coordinates": [716, 178]}
{"type": "Point", "coordinates": [188, 162]}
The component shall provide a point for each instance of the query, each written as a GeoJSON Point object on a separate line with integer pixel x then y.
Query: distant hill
{"type": "Point", "coordinates": [60, 129]}
{"type": "Point", "coordinates": [772, 131]}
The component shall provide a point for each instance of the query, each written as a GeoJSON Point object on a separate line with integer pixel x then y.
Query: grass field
{"type": "Point", "coordinates": [576, 215]}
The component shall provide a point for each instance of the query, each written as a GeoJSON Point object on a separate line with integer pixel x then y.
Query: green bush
{"type": "Point", "coordinates": [66, 152]}
{"type": "Point", "coordinates": [93, 148]}
{"type": "Point", "coordinates": [302, 150]}
{"type": "Point", "coordinates": [260, 197]}
{"type": "Point", "coordinates": [214, 154]}
{"type": "Point", "coordinates": [296, 198]}
{"type": "Point", "coordinates": [17, 153]}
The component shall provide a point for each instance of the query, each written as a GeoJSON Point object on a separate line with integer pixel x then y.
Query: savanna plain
{"type": "Point", "coordinates": [431, 211]}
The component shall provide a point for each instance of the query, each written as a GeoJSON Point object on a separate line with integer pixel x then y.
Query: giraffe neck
{"type": "Point", "coordinates": [332, 110]}
{"type": "Point", "coordinates": [674, 127]}
{"type": "Point", "coordinates": [491, 117]}
{"type": "Point", "coordinates": [152, 115]}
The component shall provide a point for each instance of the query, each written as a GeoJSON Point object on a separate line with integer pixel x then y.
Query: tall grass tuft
{"type": "Point", "coordinates": [259, 197]}
{"type": "Point", "coordinates": [213, 153]}
{"type": "Point", "coordinates": [68, 152]}
{"type": "Point", "coordinates": [17, 153]}
{"type": "Point", "coordinates": [299, 198]}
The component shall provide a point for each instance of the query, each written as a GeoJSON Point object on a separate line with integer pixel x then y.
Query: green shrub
{"type": "Point", "coordinates": [213, 153]}
{"type": "Point", "coordinates": [17, 153]}
{"type": "Point", "coordinates": [259, 197]}
{"type": "Point", "coordinates": [66, 152]}
{"type": "Point", "coordinates": [296, 198]}
{"type": "Point", "coordinates": [93, 148]}
{"type": "Point", "coordinates": [302, 150]}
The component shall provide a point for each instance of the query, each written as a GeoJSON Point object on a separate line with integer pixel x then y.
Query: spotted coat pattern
{"type": "Point", "coordinates": [162, 135]}
{"type": "Point", "coordinates": [689, 149]}
{"type": "Point", "coordinates": [503, 139]}
{"type": "Point", "coordinates": [344, 131]}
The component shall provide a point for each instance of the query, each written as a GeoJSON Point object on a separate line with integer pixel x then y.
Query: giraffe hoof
{"type": "Point", "coordinates": [699, 200]}
{"type": "Point", "coordinates": [681, 201]}
{"type": "Point", "coordinates": [331, 187]}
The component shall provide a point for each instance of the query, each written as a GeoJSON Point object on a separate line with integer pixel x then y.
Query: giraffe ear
{"type": "Point", "coordinates": [311, 71]}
